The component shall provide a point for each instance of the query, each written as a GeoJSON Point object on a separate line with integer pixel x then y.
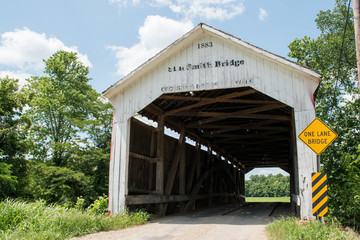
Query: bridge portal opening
{"type": "Point", "coordinates": [217, 137]}
{"type": "Point", "coordinates": [267, 184]}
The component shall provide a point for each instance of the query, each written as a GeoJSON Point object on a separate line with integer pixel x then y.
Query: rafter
{"type": "Point", "coordinates": [248, 113]}
{"type": "Point", "coordinates": [207, 101]}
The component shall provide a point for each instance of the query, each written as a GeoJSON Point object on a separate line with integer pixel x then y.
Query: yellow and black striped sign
{"type": "Point", "coordinates": [319, 194]}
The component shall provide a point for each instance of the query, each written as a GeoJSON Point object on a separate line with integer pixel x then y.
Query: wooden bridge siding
{"type": "Point", "coordinates": [139, 169]}
{"type": "Point", "coordinates": [263, 74]}
{"type": "Point", "coordinates": [279, 81]}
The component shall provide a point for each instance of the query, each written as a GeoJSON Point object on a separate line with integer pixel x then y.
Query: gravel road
{"type": "Point", "coordinates": [246, 221]}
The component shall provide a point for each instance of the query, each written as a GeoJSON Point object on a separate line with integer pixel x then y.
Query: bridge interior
{"type": "Point", "coordinates": [234, 130]}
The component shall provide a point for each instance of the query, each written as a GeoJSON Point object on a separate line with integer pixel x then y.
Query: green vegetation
{"type": "Point", "coordinates": [268, 199]}
{"type": "Point", "coordinates": [55, 135]}
{"type": "Point", "coordinates": [36, 220]}
{"type": "Point", "coordinates": [267, 186]}
{"type": "Point", "coordinates": [291, 228]}
{"type": "Point", "coordinates": [13, 166]}
{"type": "Point", "coordinates": [338, 105]}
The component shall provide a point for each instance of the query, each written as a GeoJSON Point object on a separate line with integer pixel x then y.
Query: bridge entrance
{"type": "Point", "coordinates": [235, 107]}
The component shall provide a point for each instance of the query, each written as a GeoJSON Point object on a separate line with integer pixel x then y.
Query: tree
{"type": "Point", "coordinates": [58, 184]}
{"type": "Point", "coordinates": [338, 104]}
{"type": "Point", "coordinates": [13, 166]}
{"type": "Point", "coordinates": [70, 131]}
{"type": "Point", "coordinates": [61, 105]}
{"type": "Point", "coordinates": [268, 186]}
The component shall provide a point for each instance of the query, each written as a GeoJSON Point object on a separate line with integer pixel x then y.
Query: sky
{"type": "Point", "coordinates": [113, 37]}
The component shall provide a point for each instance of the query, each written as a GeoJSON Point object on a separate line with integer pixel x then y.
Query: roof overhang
{"type": "Point", "coordinates": [189, 37]}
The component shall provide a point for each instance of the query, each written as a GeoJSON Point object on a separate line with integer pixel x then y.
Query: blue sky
{"type": "Point", "coordinates": [113, 37]}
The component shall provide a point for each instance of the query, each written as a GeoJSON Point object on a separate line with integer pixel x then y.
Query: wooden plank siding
{"type": "Point", "coordinates": [271, 80]}
{"type": "Point", "coordinates": [140, 161]}
{"type": "Point", "coordinates": [213, 67]}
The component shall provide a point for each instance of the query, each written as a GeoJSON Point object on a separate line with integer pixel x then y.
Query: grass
{"type": "Point", "coordinates": [36, 220]}
{"type": "Point", "coordinates": [291, 228]}
{"type": "Point", "coordinates": [267, 199]}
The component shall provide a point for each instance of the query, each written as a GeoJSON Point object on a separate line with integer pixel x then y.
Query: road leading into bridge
{"type": "Point", "coordinates": [245, 221]}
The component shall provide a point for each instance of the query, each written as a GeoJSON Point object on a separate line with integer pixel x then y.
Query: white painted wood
{"type": "Point", "coordinates": [226, 62]}
{"type": "Point", "coordinates": [306, 165]}
{"type": "Point", "coordinates": [116, 171]}
{"type": "Point", "coordinates": [124, 163]}
{"type": "Point", "coordinates": [111, 166]}
{"type": "Point", "coordinates": [288, 88]}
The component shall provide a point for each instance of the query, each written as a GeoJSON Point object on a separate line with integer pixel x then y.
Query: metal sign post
{"type": "Point", "coordinates": [318, 170]}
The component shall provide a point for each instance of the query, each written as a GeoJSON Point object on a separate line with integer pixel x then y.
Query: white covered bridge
{"type": "Point", "coordinates": [234, 106]}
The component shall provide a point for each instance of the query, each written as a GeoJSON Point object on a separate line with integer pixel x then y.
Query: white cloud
{"type": "Point", "coordinates": [26, 49]}
{"type": "Point", "coordinates": [190, 9]}
{"type": "Point", "coordinates": [262, 14]}
{"type": "Point", "coordinates": [156, 33]}
{"type": "Point", "coordinates": [21, 76]}
{"type": "Point", "coordinates": [210, 10]}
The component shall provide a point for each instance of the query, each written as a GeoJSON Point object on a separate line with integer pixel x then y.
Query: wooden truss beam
{"type": "Point", "coordinates": [207, 101]}
{"type": "Point", "coordinates": [139, 156]}
{"type": "Point", "coordinates": [247, 126]}
{"type": "Point", "coordinates": [247, 114]}
{"type": "Point", "coordinates": [152, 108]}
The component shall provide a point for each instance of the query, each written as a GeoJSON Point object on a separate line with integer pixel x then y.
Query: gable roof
{"type": "Point", "coordinates": [188, 37]}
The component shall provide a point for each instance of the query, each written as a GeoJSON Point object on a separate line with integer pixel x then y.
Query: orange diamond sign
{"type": "Point", "coordinates": [318, 136]}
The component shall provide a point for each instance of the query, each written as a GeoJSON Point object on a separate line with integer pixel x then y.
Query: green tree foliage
{"type": "Point", "coordinates": [268, 186]}
{"type": "Point", "coordinates": [13, 166]}
{"type": "Point", "coordinates": [58, 184]}
{"type": "Point", "coordinates": [338, 104]}
{"type": "Point", "coordinates": [61, 105]}
{"type": "Point", "coordinates": [8, 181]}
{"type": "Point", "coordinates": [70, 131]}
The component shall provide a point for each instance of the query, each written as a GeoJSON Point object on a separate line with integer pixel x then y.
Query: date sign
{"type": "Point", "coordinates": [205, 45]}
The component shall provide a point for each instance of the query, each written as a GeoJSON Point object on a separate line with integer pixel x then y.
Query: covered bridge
{"type": "Point", "coordinates": [234, 107]}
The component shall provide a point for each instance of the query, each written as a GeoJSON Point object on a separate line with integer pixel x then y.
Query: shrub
{"type": "Point", "coordinates": [100, 205]}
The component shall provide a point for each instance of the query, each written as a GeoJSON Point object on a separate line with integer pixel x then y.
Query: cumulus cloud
{"type": "Point", "coordinates": [25, 49]}
{"type": "Point", "coordinates": [21, 76]}
{"type": "Point", "coordinates": [205, 9]}
{"type": "Point", "coordinates": [156, 33]}
{"type": "Point", "coordinates": [262, 14]}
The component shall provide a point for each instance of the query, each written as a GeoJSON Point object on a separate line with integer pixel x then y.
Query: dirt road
{"type": "Point", "coordinates": [225, 222]}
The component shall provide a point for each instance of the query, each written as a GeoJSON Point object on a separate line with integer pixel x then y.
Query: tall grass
{"type": "Point", "coordinates": [267, 199]}
{"type": "Point", "coordinates": [36, 220]}
{"type": "Point", "coordinates": [293, 229]}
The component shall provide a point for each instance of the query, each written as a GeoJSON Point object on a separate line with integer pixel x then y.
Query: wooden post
{"type": "Point", "coordinates": [211, 179]}
{"type": "Point", "coordinates": [197, 187]}
{"type": "Point", "coordinates": [160, 163]}
{"type": "Point", "coordinates": [173, 168]}
{"type": "Point", "coordinates": [356, 9]}
{"type": "Point", "coordinates": [124, 163]}
{"type": "Point", "coordinates": [172, 172]}
{"type": "Point", "coordinates": [294, 174]}
{"type": "Point", "coordinates": [182, 166]}
{"type": "Point", "coordinates": [182, 180]}
{"type": "Point", "coordinates": [193, 167]}
{"type": "Point", "coordinates": [151, 167]}
{"type": "Point", "coordinates": [236, 182]}
{"type": "Point", "coordinates": [242, 188]}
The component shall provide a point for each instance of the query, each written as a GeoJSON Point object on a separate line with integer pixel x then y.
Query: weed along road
{"type": "Point", "coordinates": [246, 221]}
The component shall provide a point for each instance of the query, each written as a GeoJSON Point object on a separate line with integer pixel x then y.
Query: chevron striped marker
{"type": "Point", "coordinates": [319, 194]}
